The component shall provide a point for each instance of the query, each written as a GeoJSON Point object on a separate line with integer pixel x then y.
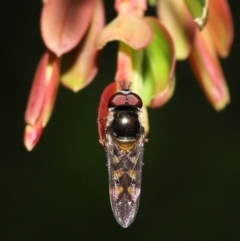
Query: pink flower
{"type": "Point", "coordinates": [74, 33]}
{"type": "Point", "coordinates": [184, 19]}
{"type": "Point", "coordinates": [69, 29]}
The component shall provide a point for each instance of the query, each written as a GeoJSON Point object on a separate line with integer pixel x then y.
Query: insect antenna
{"type": "Point", "coordinates": [122, 85]}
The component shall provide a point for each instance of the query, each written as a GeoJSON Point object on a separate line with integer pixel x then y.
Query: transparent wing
{"type": "Point", "coordinates": [125, 174]}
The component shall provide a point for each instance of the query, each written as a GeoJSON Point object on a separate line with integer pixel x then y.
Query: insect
{"type": "Point", "coordinates": [123, 144]}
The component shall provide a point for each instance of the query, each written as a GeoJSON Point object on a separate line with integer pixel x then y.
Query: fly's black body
{"type": "Point", "coordinates": [124, 147]}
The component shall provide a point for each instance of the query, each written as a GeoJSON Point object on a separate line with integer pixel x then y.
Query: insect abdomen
{"type": "Point", "coordinates": [125, 186]}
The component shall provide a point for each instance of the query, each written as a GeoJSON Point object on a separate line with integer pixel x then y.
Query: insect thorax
{"type": "Point", "coordinates": [124, 123]}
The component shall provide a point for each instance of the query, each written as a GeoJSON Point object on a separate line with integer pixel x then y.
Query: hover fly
{"type": "Point", "coordinates": [123, 142]}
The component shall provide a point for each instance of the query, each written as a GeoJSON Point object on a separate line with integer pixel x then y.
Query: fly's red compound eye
{"type": "Point", "coordinates": [125, 99]}
{"type": "Point", "coordinates": [134, 100]}
{"type": "Point", "coordinates": [118, 99]}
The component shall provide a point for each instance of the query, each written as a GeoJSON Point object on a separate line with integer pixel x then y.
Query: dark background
{"type": "Point", "coordinates": [59, 191]}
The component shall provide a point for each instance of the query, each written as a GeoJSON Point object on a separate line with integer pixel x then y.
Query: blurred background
{"type": "Point", "coordinates": [59, 191]}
